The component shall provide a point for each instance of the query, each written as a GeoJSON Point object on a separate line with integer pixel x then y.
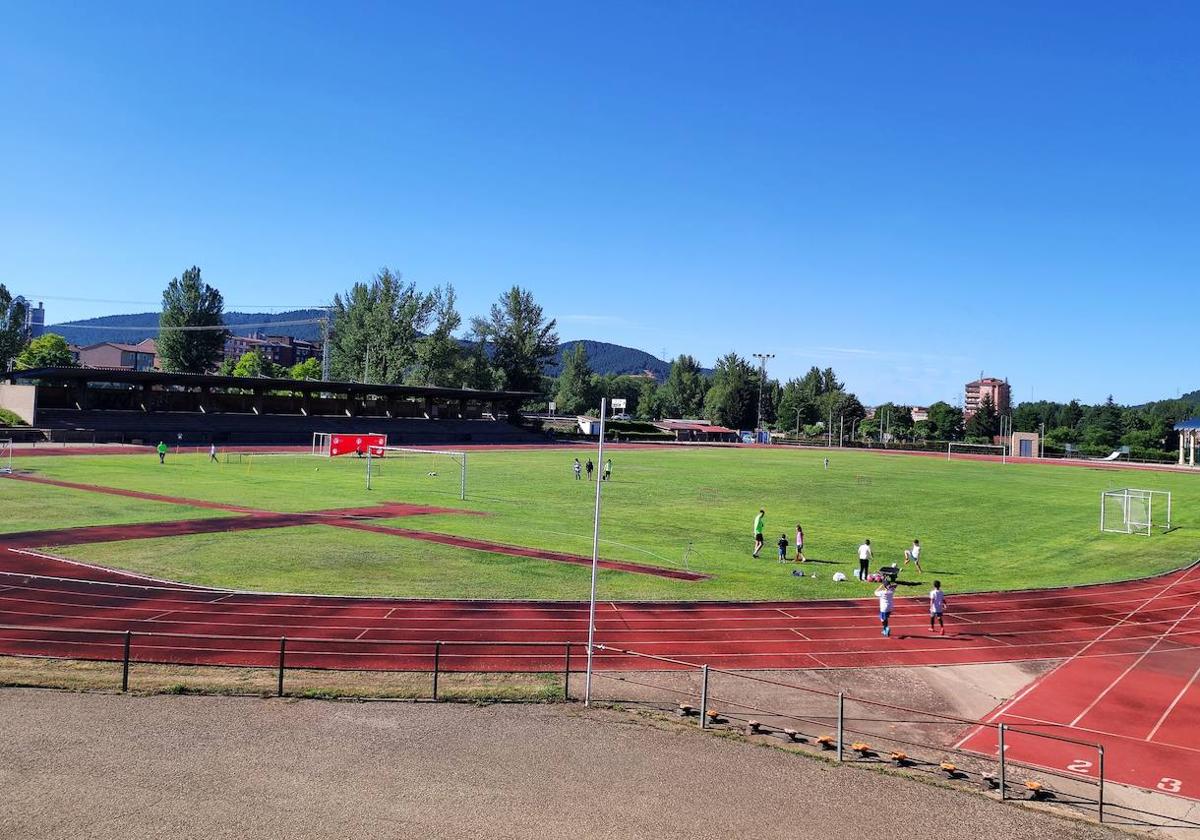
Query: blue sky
{"type": "Point", "coordinates": [909, 192]}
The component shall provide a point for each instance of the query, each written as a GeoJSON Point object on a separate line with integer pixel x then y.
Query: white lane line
{"type": "Point", "coordinates": [160, 615]}
{"type": "Point", "coordinates": [1171, 708]}
{"type": "Point", "coordinates": [389, 613]}
{"type": "Point", "coordinates": [1135, 663]}
{"type": "Point", "coordinates": [363, 633]}
{"type": "Point", "coordinates": [1105, 733]}
{"type": "Point", "coordinates": [222, 598]}
{"type": "Point", "coordinates": [801, 635]}
{"type": "Point", "coordinates": [786, 613]}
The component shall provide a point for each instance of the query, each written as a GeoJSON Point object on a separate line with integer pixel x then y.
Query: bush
{"type": "Point", "coordinates": [8, 418]}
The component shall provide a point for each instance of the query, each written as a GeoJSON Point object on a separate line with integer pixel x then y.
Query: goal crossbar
{"type": "Point", "coordinates": [459, 457]}
{"type": "Point", "coordinates": [1130, 510]}
{"type": "Point", "coordinates": [977, 448]}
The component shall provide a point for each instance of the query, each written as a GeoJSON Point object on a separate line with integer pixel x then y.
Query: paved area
{"type": "Point", "coordinates": [104, 766]}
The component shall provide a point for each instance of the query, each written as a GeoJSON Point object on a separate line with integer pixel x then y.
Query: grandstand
{"type": "Point", "coordinates": [131, 406]}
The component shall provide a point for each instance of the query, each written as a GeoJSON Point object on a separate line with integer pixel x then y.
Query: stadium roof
{"type": "Point", "coordinates": [1187, 425]}
{"type": "Point", "coordinates": [204, 380]}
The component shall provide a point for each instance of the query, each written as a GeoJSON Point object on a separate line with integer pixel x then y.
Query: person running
{"type": "Point", "coordinates": [608, 469]}
{"type": "Point", "coordinates": [937, 606]}
{"type": "Point", "coordinates": [212, 453]}
{"type": "Point", "coordinates": [589, 466]}
{"type": "Point", "coordinates": [826, 463]}
{"type": "Point", "coordinates": [914, 554]}
{"type": "Point", "coordinates": [758, 532]}
{"type": "Point", "coordinates": [800, 558]}
{"type": "Point", "coordinates": [783, 548]}
{"type": "Point", "coordinates": [162, 452]}
{"type": "Point", "coordinates": [864, 560]}
{"type": "Point", "coordinates": [578, 468]}
{"type": "Point", "coordinates": [886, 594]}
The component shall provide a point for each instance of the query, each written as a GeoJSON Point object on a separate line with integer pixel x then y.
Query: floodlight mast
{"type": "Point", "coordinates": [762, 375]}
{"type": "Point", "coordinates": [587, 686]}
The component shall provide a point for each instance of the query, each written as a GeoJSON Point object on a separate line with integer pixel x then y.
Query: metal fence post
{"type": "Point", "coordinates": [703, 696]}
{"type": "Point", "coordinates": [282, 651]}
{"type": "Point", "coordinates": [437, 658]}
{"type": "Point", "coordinates": [1003, 763]}
{"type": "Point", "coordinates": [841, 720]}
{"type": "Point", "coordinates": [125, 662]}
{"type": "Point", "coordinates": [1100, 771]}
{"type": "Point", "coordinates": [567, 673]}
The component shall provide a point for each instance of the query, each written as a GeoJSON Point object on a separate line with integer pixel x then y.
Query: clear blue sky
{"type": "Point", "coordinates": [909, 192]}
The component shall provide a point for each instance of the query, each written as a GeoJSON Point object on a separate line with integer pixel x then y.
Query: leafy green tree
{"type": "Point", "coordinates": [477, 365]}
{"type": "Point", "coordinates": [440, 356]}
{"type": "Point", "coordinates": [682, 395]}
{"type": "Point", "coordinates": [308, 369]}
{"type": "Point", "coordinates": [797, 405]}
{"type": "Point", "coordinates": [190, 334]}
{"type": "Point", "coordinates": [895, 420]}
{"type": "Point", "coordinates": [1071, 415]}
{"type": "Point", "coordinates": [945, 421]}
{"type": "Point", "coordinates": [48, 350]}
{"type": "Point", "coordinates": [376, 329]}
{"type": "Point", "coordinates": [732, 400]}
{"type": "Point", "coordinates": [12, 327]}
{"type": "Point", "coordinates": [1101, 425]}
{"type": "Point", "coordinates": [650, 400]}
{"type": "Point", "coordinates": [522, 340]}
{"type": "Point", "coordinates": [984, 424]}
{"type": "Point", "coordinates": [619, 385]}
{"type": "Point", "coordinates": [254, 365]}
{"type": "Point", "coordinates": [575, 392]}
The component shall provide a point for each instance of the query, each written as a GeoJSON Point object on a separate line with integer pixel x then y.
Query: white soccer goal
{"type": "Point", "coordinates": [433, 462]}
{"type": "Point", "coordinates": [957, 447]}
{"type": "Point", "coordinates": [1131, 511]}
{"type": "Point", "coordinates": [321, 443]}
{"type": "Point", "coordinates": [6, 448]}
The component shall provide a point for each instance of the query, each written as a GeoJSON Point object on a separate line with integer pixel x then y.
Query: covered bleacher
{"type": "Point", "coordinates": [131, 406]}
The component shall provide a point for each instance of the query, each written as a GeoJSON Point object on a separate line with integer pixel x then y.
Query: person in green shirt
{"type": "Point", "coordinates": [758, 532]}
{"type": "Point", "coordinates": [162, 452]}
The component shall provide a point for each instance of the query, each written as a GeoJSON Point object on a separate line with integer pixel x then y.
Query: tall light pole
{"type": "Point", "coordinates": [587, 690]}
{"type": "Point", "coordinates": [762, 376]}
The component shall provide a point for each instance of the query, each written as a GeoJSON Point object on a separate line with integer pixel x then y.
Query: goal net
{"type": "Point", "coordinates": [446, 468]}
{"type": "Point", "coordinates": [321, 442]}
{"type": "Point", "coordinates": [1132, 511]}
{"type": "Point", "coordinates": [958, 448]}
{"type": "Point", "coordinates": [6, 448]}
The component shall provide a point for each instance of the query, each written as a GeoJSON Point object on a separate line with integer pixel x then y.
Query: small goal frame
{"type": "Point", "coordinates": [321, 442]}
{"type": "Point", "coordinates": [458, 455]}
{"type": "Point", "coordinates": [1131, 510]}
{"type": "Point", "coordinates": [6, 453]}
{"type": "Point", "coordinates": [965, 449]}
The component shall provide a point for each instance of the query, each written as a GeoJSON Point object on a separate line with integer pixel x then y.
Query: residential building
{"type": "Point", "coordinates": [283, 350]}
{"type": "Point", "coordinates": [35, 318]}
{"type": "Point", "coordinates": [112, 354]}
{"type": "Point", "coordinates": [919, 413]}
{"type": "Point", "coordinates": [988, 386]}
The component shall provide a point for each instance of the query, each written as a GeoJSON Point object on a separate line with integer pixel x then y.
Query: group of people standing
{"type": "Point", "coordinates": [783, 540]}
{"type": "Point", "coordinates": [578, 469]}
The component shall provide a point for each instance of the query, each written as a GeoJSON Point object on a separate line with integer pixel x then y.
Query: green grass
{"type": "Point", "coordinates": [983, 525]}
{"type": "Point", "coordinates": [37, 507]}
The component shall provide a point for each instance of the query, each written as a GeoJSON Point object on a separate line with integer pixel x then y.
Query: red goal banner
{"type": "Point", "coordinates": [352, 444]}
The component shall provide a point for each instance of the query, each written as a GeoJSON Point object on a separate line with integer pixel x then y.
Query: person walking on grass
{"type": "Point", "coordinates": [589, 467]}
{"type": "Point", "coordinates": [864, 560]}
{"type": "Point", "coordinates": [937, 606]}
{"type": "Point", "coordinates": [608, 469]}
{"type": "Point", "coordinates": [800, 558]}
{"type": "Point", "coordinates": [578, 469]}
{"type": "Point", "coordinates": [758, 531]}
{"type": "Point", "coordinates": [212, 453]}
{"type": "Point", "coordinates": [886, 594]}
{"type": "Point", "coordinates": [914, 554]}
{"type": "Point", "coordinates": [162, 452]}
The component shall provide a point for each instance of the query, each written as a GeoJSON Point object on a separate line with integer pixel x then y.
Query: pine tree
{"type": "Point", "coordinates": [190, 338]}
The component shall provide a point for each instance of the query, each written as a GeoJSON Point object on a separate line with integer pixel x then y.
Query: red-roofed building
{"type": "Point", "coordinates": [698, 431]}
{"type": "Point", "coordinates": [114, 355]}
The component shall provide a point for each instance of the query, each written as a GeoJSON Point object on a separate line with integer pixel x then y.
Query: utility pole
{"type": "Point", "coordinates": [762, 376]}
{"type": "Point", "coordinates": [325, 323]}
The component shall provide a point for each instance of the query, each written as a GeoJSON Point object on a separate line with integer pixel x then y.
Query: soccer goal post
{"type": "Point", "coordinates": [959, 448]}
{"type": "Point", "coordinates": [321, 442]}
{"type": "Point", "coordinates": [377, 456]}
{"type": "Point", "coordinates": [6, 449]}
{"type": "Point", "coordinates": [1135, 511]}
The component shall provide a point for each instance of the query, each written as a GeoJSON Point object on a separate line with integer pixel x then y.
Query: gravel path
{"type": "Point", "coordinates": [104, 766]}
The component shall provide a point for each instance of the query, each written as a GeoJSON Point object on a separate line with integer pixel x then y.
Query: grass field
{"type": "Point", "coordinates": [983, 525]}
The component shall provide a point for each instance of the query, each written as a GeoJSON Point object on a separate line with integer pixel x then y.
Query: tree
{"type": "Point", "coordinates": [1101, 425]}
{"type": "Point", "coordinates": [984, 425]}
{"type": "Point", "coordinates": [682, 394]}
{"type": "Point", "coordinates": [439, 354]}
{"type": "Point", "coordinates": [12, 327]}
{"type": "Point", "coordinates": [49, 350]}
{"type": "Point", "coordinates": [797, 405]}
{"type": "Point", "coordinates": [945, 421]}
{"type": "Point", "coordinates": [376, 328]}
{"type": "Point", "coordinates": [308, 369]}
{"type": "Point", "coordinates": [575, 392]}
{"type": "Point", "coordinates": [191, 337]}
{"type": "Point", "coordinates": [523, 341]}
{"type": "Point", "coordinates": [254, 365]}
{"type": "Point", "coordinates": [477, 365]}
{"type": "Point", "coordinates": [895, 420]}
{"type": "Point", "coordinates": [650, 400]}
{"type": "Point", "coordinates": [732, 400]}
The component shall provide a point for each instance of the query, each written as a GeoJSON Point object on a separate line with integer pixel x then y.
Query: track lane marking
{"type": "Point", "coordinates": [1171, 707]}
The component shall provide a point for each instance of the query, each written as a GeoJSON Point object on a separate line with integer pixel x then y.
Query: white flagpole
{"type": "Point", "coordinates": [587, 689]}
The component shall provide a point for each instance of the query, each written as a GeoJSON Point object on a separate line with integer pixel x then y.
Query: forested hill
{"type": "Point", "coordinates": [604, 358]}
{"type": "Point", "coordinates": [133, 328]}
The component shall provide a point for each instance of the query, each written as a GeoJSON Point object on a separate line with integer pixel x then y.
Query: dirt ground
{"type": "Point", "coordinates": [106, 766]}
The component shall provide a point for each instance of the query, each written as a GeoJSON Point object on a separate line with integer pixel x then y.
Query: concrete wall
{"type": "Point", "coordinates": [1033, 439]}
{"type": "Point", "coordinates": [21, 400]}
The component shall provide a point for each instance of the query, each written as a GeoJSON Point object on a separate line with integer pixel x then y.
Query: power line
{"type": "Point", "coordinates": [188, 329]}
{"type": "Point", "coordinates": [36, 296]}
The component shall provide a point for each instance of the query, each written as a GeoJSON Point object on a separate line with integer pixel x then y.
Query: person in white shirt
{"type": "Point", "coordinates": [886, 593]}
{"type": "Point", "coordinates": [914, 554]}
{"type": "Point", "coordinates": [864, 560]}
{"type": "Point", "coordinates": [937, 606]}
{"type": "Point", "coordinates": [212, 453]}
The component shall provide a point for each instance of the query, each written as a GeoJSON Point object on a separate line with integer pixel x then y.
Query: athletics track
{"type": "Point", "coordinates": [1129, 678]}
